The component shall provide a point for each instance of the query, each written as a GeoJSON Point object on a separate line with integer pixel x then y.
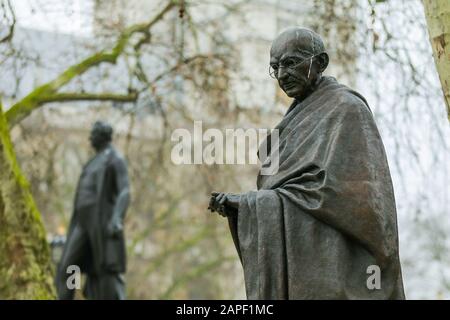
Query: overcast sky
{"type": "Point", "coordinates": [63, 16]}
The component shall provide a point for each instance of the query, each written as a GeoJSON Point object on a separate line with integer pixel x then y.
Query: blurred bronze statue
{"type": "Point", "coordinates": [325, 225]}
{"type": "Point", "coordinates": [95, 241]}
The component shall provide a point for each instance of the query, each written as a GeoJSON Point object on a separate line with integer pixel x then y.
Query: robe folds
{"type": "Point", "coordinates": [316, 228]}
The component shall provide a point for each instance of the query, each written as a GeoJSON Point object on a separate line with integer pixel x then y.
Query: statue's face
{"type": "Point", "coordinates": [291, 63]}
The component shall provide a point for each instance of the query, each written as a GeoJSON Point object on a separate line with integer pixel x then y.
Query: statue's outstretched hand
{"type": "Point", "coordinates": [224, 203]}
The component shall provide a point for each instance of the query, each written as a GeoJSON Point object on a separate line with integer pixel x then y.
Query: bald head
{"type": "Point", "coordinates": [302, 39]}
{"type": "Point", "coordinates": [297, 60]}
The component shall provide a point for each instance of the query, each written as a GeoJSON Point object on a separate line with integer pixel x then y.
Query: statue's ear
{"type": "Point", "coordinates": [323, 61]}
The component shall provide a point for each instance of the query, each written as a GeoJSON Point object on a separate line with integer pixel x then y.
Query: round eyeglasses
{"type": "Point", "coordinates": [290, 64]}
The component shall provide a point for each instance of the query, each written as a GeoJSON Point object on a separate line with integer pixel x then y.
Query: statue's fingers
{"type": "Point", "coordinates": [222, 211]}
{"type": "Point", "coordinates": [219, 197]}
{"type": "Point", "coordinates": [223, 200]}
{"type": "Point", "coordinates": [211, 203]}
{"type": "Point", "coordinates": [216, 204]}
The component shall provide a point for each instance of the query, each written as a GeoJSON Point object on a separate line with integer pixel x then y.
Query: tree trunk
{"type": "Point", "coordinates": [437, 13]}
{"type": "Point", "coordinates": [26, 270]}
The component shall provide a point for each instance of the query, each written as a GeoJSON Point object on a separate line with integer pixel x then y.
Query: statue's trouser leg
{"type": "Point", "coordinates": [107, 286]}
{"type": "Point", "coordinates": [77, 246]}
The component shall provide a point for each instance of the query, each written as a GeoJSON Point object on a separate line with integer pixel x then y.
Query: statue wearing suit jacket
{"type": "Point", "coordinates": [95, 241]}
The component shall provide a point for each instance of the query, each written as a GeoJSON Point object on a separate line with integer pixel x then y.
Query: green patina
{"type": "Point", "coordinates": [26, 271]}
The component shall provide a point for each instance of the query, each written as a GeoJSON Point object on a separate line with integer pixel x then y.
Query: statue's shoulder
{"type": "Point", "coordinates": [116, 158]}
{"type": "Point", "coordinates": [349, 100]}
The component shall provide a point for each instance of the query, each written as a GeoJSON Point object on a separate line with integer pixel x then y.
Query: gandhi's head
{"type": "Point", "coordinates": [297, 60]}
{"type": "Point", "coordinates": [101, 135]}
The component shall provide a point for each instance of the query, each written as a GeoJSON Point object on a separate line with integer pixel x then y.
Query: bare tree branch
{"type": "Point", "coordinates": [75, 96]}
{"type": "Point", "coordinates": [36, 98]}
{"type": "Point", "coordinates": [7, 8]}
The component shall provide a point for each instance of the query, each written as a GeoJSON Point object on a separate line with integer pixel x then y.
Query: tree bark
{"type": "Point", "coordinates": [437, 13]}
{"type": "Point", "coordinates": [26, 270]}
